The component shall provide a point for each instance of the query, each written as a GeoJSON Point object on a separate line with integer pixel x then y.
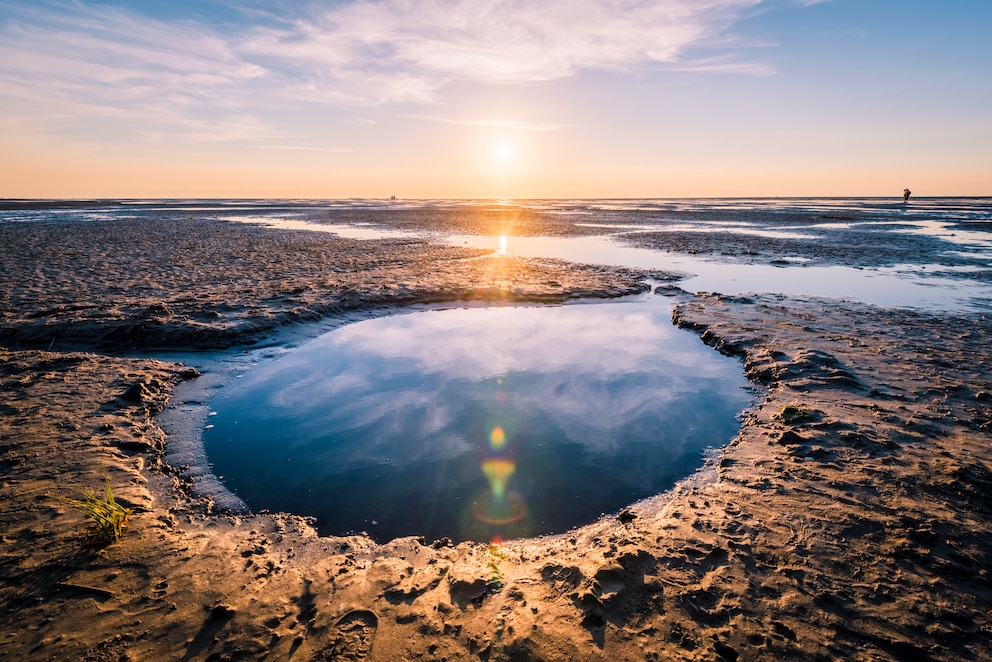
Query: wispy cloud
{"type": "Point", "coordinates": [300, 148]}
{"type": "Point", "coordinates": [509, 125]}
{"type": "Point", "coordinates": [64, 62]}
{"type": "Point", "coordinates": [407, 50]}
{"type": "Point", "coordinates": [724, 64]}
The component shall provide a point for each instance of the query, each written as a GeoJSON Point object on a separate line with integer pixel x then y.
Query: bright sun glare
{"type": "Point", "coordinates": [502, 152]}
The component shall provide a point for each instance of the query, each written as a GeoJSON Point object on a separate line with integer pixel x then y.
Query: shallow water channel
{"type": "Point", "coordinates": [476, 423]}
{"type": "Point", "coordinates": [912, 285]}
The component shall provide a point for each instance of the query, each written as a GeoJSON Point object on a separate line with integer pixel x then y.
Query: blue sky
{"type": "Point", "coordinates": [495, 98]}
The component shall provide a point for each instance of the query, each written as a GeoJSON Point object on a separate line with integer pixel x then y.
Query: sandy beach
{"type": "Point", "coordinates": [848, 520]}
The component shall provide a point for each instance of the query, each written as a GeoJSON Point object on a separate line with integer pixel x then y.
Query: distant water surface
{"type": "Point", "coordinates": [960, 227]}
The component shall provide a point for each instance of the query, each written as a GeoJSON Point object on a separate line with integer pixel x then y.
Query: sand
{"type": "Point", "coordinates": [179, 283]}
{"type": "Point", "coordinates": [847, 520]}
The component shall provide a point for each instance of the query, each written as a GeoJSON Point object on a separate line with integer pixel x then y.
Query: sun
{"type": "Point", "coordinates": [502, 152]}
{"type": "Point", "coordinates": [503, 161]}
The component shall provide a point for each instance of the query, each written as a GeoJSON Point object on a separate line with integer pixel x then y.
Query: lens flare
{"type": "Point", "coordinates": [498, 472]}
{"type": "Point", "coordinates": [497, 439]}
{"type": "Point", "coordinates": [499, 512]}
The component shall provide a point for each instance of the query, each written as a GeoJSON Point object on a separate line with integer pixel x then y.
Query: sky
{"type": "Point", "coordinates": [496, 99]}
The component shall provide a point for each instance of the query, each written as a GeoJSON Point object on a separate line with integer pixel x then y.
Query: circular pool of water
{"type": "Point", "coordinates": [476, 423]}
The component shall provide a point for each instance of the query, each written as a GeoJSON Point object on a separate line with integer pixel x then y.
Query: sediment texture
{"type": "Point", "coordinates": [848, 520]}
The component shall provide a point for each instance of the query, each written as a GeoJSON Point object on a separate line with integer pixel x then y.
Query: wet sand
{"type": "Point", "coordinates": [848, 520]}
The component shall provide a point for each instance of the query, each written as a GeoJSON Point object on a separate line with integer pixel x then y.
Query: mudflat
{"type": "Point", "coordinates": [849, 519]}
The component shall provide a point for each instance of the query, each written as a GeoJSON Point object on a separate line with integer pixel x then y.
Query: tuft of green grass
{"type": "Point", "coordinates": [794, 413]}
{"type": "Point", "coordinates": [107, 517]}
{"type": "Point", "coordinates": [495, 557]}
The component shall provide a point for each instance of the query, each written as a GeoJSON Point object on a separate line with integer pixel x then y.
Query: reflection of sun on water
{"type": "Point", "coordinates": [502, 244]}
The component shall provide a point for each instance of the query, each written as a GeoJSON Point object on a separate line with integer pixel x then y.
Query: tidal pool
{"type": "Point", "coordinates": [476, 423]}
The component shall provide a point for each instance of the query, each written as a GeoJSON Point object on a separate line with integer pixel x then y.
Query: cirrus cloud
{"type": "Point", "coordinates": [409, 49]}
{"type": "Point", "coordinates": [69, 64]}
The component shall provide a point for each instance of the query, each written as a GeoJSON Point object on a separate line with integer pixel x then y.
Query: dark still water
{"type": "Point", "coordinates": [476, 423]}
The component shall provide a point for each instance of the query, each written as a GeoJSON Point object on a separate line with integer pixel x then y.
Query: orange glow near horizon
{"type": "Point", "coordinates": [74, 178]}
{"type": "Point", "coordinates": [547, 169]}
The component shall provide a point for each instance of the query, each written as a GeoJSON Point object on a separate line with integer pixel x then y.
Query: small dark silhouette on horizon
{"type": "Point", "coordinates": [905, 195]}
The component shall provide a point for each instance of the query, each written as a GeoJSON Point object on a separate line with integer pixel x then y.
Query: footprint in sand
{"type": "Point", "coordinates": [161, 589]}
{"type": "Point", "coordinates": [352, 636]}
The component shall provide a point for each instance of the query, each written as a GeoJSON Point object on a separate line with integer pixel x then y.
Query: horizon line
{"type": "Point", "coordinates": [493, 200]}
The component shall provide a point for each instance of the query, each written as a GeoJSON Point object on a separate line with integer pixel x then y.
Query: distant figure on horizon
{"type": "Point", "coordinates": [905, 195]}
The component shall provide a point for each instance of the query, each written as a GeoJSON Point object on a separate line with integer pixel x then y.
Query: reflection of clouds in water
{"type": "Point", "coordinates": [593, 373]}
{"type": "Point", "coordinates": [381, 416]}
{"type": "Point", "coordinates": [600, 415]}
{"type": "Point", "coordinates": [427, 420]}
{"type": "Point", "coordinates": [476, 343]}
